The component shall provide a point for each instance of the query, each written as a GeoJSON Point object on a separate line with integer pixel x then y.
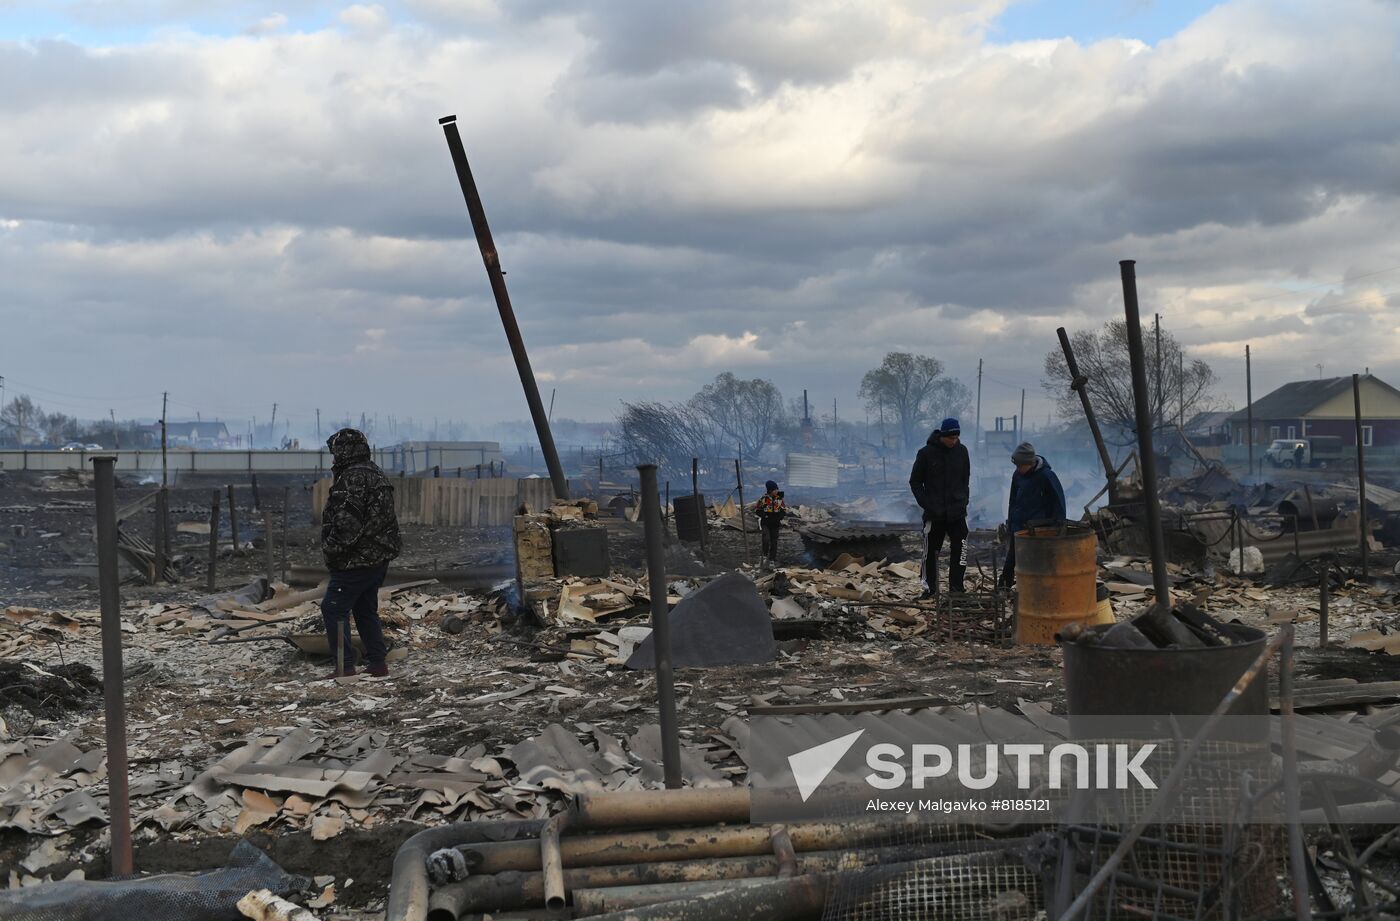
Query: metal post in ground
{"type": "Point", "coordinates": [1147, 458]}
{"type": "Point", "coordinates": [213, 540]}
{"type": "Point", "coordinates": [165, 528]}
{"type": "Point", "coordinates": [699, 510]}
{"type": "Point", "coordinates": [1324, 597]}
{"type": "Point", "coordinates": [1361, 480]}
{"type": "Point", "coordinates": [269, 545]}
{"type": "Point", "coordinates": [257, 503]}
{"type": "Point", "coordinates": [743, 520]}
{"type": "Point", "coordinates": [660, 628]}
{"type": "Point", "coordinates": [113, 688]}
{"type": "Point", "coordinates": [492, 260]}
{"type": "Point", "coordinates": [286, 502]}
{"type": "Point", "coordinates": [232, 518]}
{"type": "Point", "coordinates": [1249, 407]}
{"type": "Point", "coordinates": [158, 538]}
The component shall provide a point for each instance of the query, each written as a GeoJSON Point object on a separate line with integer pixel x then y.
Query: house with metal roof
{"type": "Point", "coordinates": [1313, 408]}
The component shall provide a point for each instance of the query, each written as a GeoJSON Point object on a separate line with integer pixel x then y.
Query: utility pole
{"type": "Point", "coordinates": [272, 429]}
{"type": "Point", "coordinates": [1361, 479]}
{"type": "Point", "coordinates": [116, 438]}
{"type": "Point", "coordinates": [1249, 409]}
{"type": "Point", "coordinates": [318, 426]}
{"type": "Point", "coordinates": [164, 466]}
{"type": "Point", "coordinates": [1021, 418]}
{"type": "Point", "coordinates": [552, 392]}
{"type": "Point", "coordinates": [1181, 390]}
{"type": "Point", "coordinates": [978, 423]}
{"type": "Point", "coordinates": [1160, 415]}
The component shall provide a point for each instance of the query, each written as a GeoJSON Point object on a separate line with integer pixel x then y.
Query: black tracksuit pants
{"type": "Point", "coordinates": [355, 592]}
{"type": "Point", "coordinates": [955, 531]}
{"type": "Point", "coordinates": [769, 528]}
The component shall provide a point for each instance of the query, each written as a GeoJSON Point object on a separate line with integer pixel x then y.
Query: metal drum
{"type": "Point", "coordinates": [690, 517]}
{"type": "Point", "coordinates": [1056, 575]}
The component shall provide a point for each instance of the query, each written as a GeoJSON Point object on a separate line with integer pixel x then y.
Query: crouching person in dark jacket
{"type": "Point", "coordinates": [359, 536]}
{"type": "Point", "coordinates": [940, 483]}
{"type": "Point", "coordinates": [1036, 495]}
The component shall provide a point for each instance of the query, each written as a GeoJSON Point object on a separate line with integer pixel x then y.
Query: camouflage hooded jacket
{"type": "Point", "coordinates": [359, 528]}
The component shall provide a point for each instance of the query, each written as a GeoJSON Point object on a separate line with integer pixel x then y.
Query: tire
{"type": "Point", "coordinates": [1286, 463]}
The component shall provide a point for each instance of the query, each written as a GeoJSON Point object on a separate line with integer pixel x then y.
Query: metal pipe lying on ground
{"type": "Point", "coordinates": [552, 862]}
{"type": "Point", "coordinates": [683, 844]}
{"type": "Point", "coordinates": [649, 808]}
{"type": "Point", "coordinates": [779, 900]}
{"type": "Point", "coordinates": [597, 901]}
{"type": "Point", "coordinates": [408, 886]}
{"type": "Point", "coordinates": [510, 889]}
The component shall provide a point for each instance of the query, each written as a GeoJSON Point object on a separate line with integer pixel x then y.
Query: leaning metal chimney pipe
{"type": "Point", "coordinates": [492, 259]}
{"type": "Point", "coordinates": [1147, 457]}
{"type": "Point", "coordinates": [1078, 384]}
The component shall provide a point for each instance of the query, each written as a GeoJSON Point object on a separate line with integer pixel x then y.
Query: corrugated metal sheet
{"type": "Point", "coordinates": [811, 470]}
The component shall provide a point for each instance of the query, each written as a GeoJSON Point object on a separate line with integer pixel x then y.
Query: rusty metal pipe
{"type": "Point", "coordinates": [512, 889]}
{"type": "Point", "coordinates": [783, 851]}
{"type": "Point", "coordinates": [649, 808]}
{"type": "Point", "coordinates": [408, 886]}
{"type": "Point", "coordinates": [1361, 480]}
{"type": "Point", "coordinates": [597, 901]}
{"type": "Point", "coordinates": [682, 844]}
{"type": "Point", "coordinates": [780, 900]}
{"type": "Point", "coordinates": [516, 891]}
{"type": "Point", "coordinates": [552, 861]}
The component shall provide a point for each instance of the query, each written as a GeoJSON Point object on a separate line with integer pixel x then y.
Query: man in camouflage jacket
{"type": "Point", "coordinates": [359, 536]}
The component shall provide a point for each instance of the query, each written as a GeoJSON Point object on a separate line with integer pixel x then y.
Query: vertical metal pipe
{"type": "Point", "coordinates": [233, 517]}
{"type": "Point", "coordinates": [743, 516]}
{"type": "Point", "coordinates": [1161, 409]}
{"type": "Point", "coordinates": [1147, 458]}
{"type": "Point", "coordinates": [492, 260]}
{"type": "Point", "coordinates": [269, 544]}
{"type": "Point", "coordinates": [165, 529]}
{"type": "Point", "coordinates": [1297, 858]}
{"type": "Point", "coordinates": [113, 688]}
{"type": "Point", "coordinates": [286, 502]}
{"type": "Point", "coordinates": [158, 538]}
{"type": "Point", "coordinates": [699, 510]}
{"type": "Point", "coordinates": [213, 540]}
{"type": "Point", "coordinates": [1077, 384]}
{"type": "Point", "coordinates": [1361, 480]}
{"type": "Point", "coordinates": [1249, 407]}
{"type": "Point", "coordinates": [1325, 595]}
{"type": "Point", "coordinates": [660, 628]}
{"type": "Point", "coordinates": [978, 421]}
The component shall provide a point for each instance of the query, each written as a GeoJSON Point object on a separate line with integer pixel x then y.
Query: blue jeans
{"type": "Point", "coordinates": [355, 591]}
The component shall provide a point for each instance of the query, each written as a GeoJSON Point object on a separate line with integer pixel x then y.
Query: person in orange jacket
{"type": "Point", "coordinates": [771, 510]}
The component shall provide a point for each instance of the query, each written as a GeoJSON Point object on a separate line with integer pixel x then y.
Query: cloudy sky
{"type": "Point", "coordinates": [248, 202]}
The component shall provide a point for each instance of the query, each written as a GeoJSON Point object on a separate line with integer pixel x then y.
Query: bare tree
{"type": "Point", "coordinates": [1177, 387]}
{"type": "Point", "coordinates": [748, 413]}
{"type": "Point", "coordinates": [668, 435]}
{"type": "Point", "coordinates": [912, 391]}
{"type": "Point", "coordinates": [22, 419]}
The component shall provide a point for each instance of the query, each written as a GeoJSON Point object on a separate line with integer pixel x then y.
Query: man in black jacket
{"type": "Point", "coordinates": [359, 536]}
{"type": "Point", "coordinates": [940, 483]}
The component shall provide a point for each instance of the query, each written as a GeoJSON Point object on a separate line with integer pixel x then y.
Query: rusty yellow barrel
{"type": "Point", "coordinates": [1056, 574]}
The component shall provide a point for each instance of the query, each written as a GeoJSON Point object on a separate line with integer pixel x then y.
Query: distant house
{"type": "Point", "coordinates": [1209, 428]}
{"type": "Point", "coordinates": [212, 434]}
{"type": "Point", "coordinates": [1323, 407]}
